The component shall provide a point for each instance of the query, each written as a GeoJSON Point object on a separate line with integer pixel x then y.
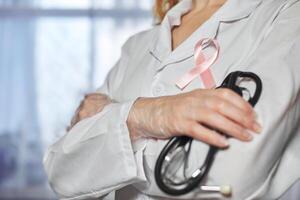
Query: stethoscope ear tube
{"type": "Point", "coordinates": [231, 79]}
{"type": "Point", "coordinates": [194, 181]}
{"type": "Point", "coordinates": [253, 100]}
{"type": "Point", "coordinates": [173, 143]}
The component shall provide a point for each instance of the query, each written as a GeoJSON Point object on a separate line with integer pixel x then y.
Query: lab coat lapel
{"type": "Point", "coordinates": [232, 11]}
{"type": "Point", "coordinates": [162, 46]}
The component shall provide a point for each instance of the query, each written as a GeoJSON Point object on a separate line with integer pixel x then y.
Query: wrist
{"type": "Point", "coordinates": [133, 120]}
{"type": "Point", "coordinates": [139, 116]}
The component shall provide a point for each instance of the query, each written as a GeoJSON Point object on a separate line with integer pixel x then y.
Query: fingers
{"type": "Point", "coordinates": [199, 132]}
{"type": "Point", "coordinates": [95, 96]}
{"type": "Point", "coordinates": [93, 104]}
{"type": "Point", "coordinates": [234, 113]}
{"type": "Point", "coordinates": [235, 99]}
{"type": "Point", "coordinates": [219, 122]}
{"type": "Point", "coordinates": [89, 106]}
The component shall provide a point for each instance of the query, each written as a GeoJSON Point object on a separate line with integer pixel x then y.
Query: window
{"type": "Point", "coordinates": [52, 52]}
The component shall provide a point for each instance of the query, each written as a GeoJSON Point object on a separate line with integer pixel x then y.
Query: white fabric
{"type": "Point", "coordinates": [263, 36]}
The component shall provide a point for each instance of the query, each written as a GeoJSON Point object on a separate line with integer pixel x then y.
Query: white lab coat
{"type": "Point", "coordinates": [97, 157]}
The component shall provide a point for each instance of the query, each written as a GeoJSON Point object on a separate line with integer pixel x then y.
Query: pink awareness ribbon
{"type": "Point", "coordinates": [202, 66]}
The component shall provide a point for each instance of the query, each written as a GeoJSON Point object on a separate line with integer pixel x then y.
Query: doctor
{"type": "Point", "coordinates": [119, 132]}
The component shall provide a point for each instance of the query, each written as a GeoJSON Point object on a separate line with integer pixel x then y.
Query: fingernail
{"type": "Point", "coordinates": [257, 127]}
{"type": "Point", "coordinates": [223, 141]}
{"type": "Point", "coordinates": [248, 136]}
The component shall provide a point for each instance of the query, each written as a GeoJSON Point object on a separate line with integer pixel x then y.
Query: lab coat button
{"type": "Point", "coordinates": [158, 90]}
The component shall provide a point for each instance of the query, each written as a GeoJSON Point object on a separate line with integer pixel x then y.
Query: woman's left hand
{"type": "Point", "coordinates": [91, 104]}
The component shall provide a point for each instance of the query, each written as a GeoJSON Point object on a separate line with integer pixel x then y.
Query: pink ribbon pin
{"type": "Point", "coordinates": [203, 65]}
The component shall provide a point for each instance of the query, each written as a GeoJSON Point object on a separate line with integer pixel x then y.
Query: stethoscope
{"type": "Point", "coordinates": [176, 151]}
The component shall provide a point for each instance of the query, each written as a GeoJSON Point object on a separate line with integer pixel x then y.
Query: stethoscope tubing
{"type": "Point", "coordinates": [175, 142]}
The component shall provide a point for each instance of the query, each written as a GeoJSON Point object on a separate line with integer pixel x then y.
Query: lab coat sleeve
{"type": "Point", "coordinates": [250, 168]}
{"type": "Point", "coordinates": [96, 156]}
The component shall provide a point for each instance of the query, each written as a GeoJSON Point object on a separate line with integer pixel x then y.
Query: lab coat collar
{"type": "Point", "coordinates": [230, 12]}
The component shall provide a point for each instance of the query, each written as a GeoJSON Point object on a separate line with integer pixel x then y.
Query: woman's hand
{"type": "Point", "coordinates": [194, 114]}
{"type": "Point", "coordinates": [89, 106]}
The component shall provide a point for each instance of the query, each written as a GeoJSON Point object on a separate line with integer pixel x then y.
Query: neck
{"type": "Point", "coordinates": [199, 5]}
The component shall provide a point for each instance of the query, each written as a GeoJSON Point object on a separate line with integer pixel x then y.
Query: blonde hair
{"type": "Point", "coordinates": [162, 7]}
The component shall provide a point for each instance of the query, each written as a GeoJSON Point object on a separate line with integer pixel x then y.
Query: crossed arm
{"type": "Point", "coordinates": [92, 104]}
{"type": "Point", "coordinates": [183, 114]}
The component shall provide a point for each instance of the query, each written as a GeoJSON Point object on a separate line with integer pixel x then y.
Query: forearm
{"type": "Point", "coordinates": [140, 119]}
{"type": "Point", "coordinates": [84, 150]}
{"type": "Point", "coordinates": [133, 124]}
{"type": "Point", "coordinates": [134, 121]}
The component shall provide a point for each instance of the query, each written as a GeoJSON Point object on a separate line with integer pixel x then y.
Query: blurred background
{"type": "Point", "coordinates": [52, 52]}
